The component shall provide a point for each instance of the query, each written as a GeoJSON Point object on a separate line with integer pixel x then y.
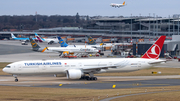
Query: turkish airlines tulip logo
{"type": "Point", "coordinates": [154, 52]}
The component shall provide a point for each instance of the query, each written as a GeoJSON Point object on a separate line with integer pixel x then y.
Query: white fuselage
{"type": "Point", "coordinates": [48, 40]}
{"type": "Point", "coordinates": [71, 49]}
{"type": "Point", "coordinates": [116, 5]}
{"type": "Point", "coordinates": [85, 65]}
{"type": "Point", "coordinates": [98, 45]}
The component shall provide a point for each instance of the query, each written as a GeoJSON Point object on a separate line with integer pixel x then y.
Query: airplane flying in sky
{"type": "Point", "coordinates": [117, 5]}
{"type": "Point", "coordinates": [23, 39]}
{"type": "Point", "coordinates": [48, 40]}
{"type": "Point", "coordinates": [62, 50]}
{"type": "Point", "coordinates": [80, 68]}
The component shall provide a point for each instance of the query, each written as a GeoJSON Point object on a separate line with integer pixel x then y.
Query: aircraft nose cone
{"type": "Point", "coordinates": [4, 69]}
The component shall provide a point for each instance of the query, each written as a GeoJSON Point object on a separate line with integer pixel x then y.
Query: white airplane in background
{"type": "Point", "coordinates": [62, 50]}
{"type": "Point", "coordinates": [21, 39]}
{"type": "Point", "coordinates": [80, 68]}
{"type": "Point", "coordinates": [64, 44]}
{"type": "Point", "coordinates": [117, 5]}
{"type": "Point", "coordinates": [48, 40]}
{"type": "Point", "coordinates": [91, 44]}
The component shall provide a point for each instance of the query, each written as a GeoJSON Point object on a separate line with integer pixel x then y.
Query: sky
{"type": "Point", "coordinates": [162, 8]}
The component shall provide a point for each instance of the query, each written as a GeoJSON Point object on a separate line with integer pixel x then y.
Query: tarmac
{"type": "Point", "coordinates": [106, 81]}
{"type": "Point", "coordinates": [11, 51]}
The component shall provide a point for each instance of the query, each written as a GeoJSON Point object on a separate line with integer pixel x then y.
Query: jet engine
{"type": "Point", "coordinates": [66, 52]}
{"type": "Point", "coordinates": [74, 74]}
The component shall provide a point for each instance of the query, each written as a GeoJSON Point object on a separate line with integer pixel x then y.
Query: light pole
{"type": "Point", "coordinates": [157, 25]}
{"type": "Point", "coordinates": [178, 24]}
{"type": "Point", "coordinates": [154, 27]}
{"type": "Point", "coordinates": [131, 28]}
{"type": "Point", "coordinates": [149, 27]}
{"type": "Point", "coordinates": [140, 25]}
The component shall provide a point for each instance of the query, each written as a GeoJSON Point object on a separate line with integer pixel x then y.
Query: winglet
{"type": "Point", "coordinates": [154, 51]}
{"type": "Point", "coordinates": [62, 42]}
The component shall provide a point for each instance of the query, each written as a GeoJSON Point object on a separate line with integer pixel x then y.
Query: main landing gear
{"type": "Point", "coordinates": [90, 77]}
{"type": "Point", "coordinates": [16, 79]}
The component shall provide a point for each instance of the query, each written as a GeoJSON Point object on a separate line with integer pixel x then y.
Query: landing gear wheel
{"type": "Point", "coordinates": [88, 78]}
{"type": "Point", "coordinates": [95, 78]}
{"type": "Point", "coordinates": [16, 80]}
{"type": "Point", "coordinates": [92, 78]}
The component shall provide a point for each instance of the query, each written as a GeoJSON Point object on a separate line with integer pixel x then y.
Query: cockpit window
{"type": "Point", "coordinates": [8, 67]}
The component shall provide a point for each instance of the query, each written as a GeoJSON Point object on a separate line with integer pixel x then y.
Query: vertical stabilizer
{"type": "Point", "coordinates": [154, 51]}
{"type": "Point", "coordinates": [39, 38]}
{"type": "Point", "coordinates": [62, 42]}
{"type": "Point", "coordinates": [91, 40]}
{"type": "Point", "coordinates": [124, 3]}
{"type": "Point", "coordinates": [12, 35]}
{"type": "Point", "coordinates": [34, 45]}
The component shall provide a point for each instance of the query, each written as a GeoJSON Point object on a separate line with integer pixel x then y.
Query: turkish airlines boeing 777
{"type": "Point", "coordinates": [80, 68]}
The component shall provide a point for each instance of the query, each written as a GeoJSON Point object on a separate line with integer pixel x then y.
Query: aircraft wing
{"type": "Point", "coordinates": [99, 67]}
{"type": "Point", "coordinates": [157, 62]}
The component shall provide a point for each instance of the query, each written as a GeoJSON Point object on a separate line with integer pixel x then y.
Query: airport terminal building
{"type": "Point", "coordinates": [137, 27]}
{"type": "Point", "coordinates": [171, 47]}
{"type": "Point", "coordinates": [119, 27]}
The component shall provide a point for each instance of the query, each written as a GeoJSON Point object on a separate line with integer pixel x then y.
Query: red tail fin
{"type": "Point", "coordinates": [154, 51]}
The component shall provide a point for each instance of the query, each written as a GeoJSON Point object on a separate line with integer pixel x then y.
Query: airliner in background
{"type": "Point", "coordinates": [117, 5]}
{"type": "Point", "coordinates": [48, 40]}
{"type": "Point", "coordinates": [64, 44]}
{"type": "Point", "coordinates": [63, 50]}
{"type": "Point", "coordinates": [21, 39]}
{"type": "Point", "coordinates": [91, 44]}
{"type": "Point", "coordinates": [86, 68]}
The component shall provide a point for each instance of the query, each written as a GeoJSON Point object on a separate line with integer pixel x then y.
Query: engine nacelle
{"type": "Point", "coordinates": [74, 74]}
{"type": "Point", "coordinates": [66, 52]}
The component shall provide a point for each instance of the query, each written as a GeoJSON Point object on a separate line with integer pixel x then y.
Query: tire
{"type": "Point", "coordinates": [88, 79]}
{"type": "Point", "coordinates": [16, 80]}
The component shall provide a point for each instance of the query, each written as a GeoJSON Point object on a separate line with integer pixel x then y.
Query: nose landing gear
{"type": "Point", "coordinates": [16, 79]}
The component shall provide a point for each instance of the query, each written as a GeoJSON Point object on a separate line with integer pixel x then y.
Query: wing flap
{"type": "Point", "coordinates": [157, 62]}
{"type": "Point", "coordinates": [99, 67]}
